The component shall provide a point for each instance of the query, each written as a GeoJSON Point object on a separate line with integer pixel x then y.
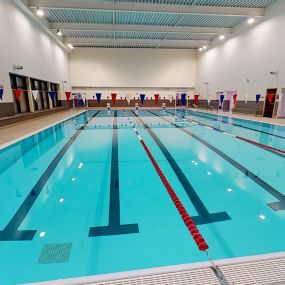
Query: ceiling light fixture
{"type": "Point", "coordinates": [222, 37]}
{"type": "Point", "coordinates": [59, 33]}
{"type": "Point", "coordinates": [204, 47]}
{"type": "Point", "coordinates": [200, 49]}
{"type": "Point", "coordinates": [70, 46]}
{"type": "Point", "coordinates": [251, 20]}
{"type": "Point", "coordinates": [40, 12]}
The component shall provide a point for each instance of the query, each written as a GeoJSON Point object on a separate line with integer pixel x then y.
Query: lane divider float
{"type": "Point", "coordinates": [192, 228]}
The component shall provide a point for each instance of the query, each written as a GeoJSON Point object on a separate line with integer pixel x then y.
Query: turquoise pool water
{"type": "Point", "coordinates": [82, 198]}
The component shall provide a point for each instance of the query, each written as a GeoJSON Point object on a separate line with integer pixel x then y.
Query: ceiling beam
{"type": "Point", "coordinates": [139, 28]}
{"type": "Point", "coordinates": [178, 43]}
{"type": "Point", "coordinates": [143, 7]}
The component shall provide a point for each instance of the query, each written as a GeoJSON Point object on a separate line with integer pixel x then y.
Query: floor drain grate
{"type": "Point", "coordinates": [193, 277]}
{"type": "Point", "coordinates": [55, 253]}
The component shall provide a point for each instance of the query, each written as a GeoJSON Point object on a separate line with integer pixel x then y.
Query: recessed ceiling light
{"type": "Point", "coordinates": [230, 190]}
{"type": "Point", "coordinates": [80, 165]}
{"type": "Point", "coordinates": [200, 49]}
{"type": "Point", "coordinates": [73, 179]}
{"type": "Point", "coordinates": [59, 33]}
{"type": "Point", "coordinates": [222, 37]}
{"type": "Point", "coordinates": [61, 200]}
{"type": "Point", "coordinates": [251, 20]}
{"type": "Point", "coordinates": [204, 47]}
{"type": "Point", "coordinates": [196, 163]}
{"type": "Point", "coordinates": [209, 173]}
{"type": "Point", "coordinates": [42, 234]}
{"type": "Point", "coordinates": [40, 12]}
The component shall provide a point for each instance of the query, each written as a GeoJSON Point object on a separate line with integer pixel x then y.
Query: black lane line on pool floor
{"type": "Point", "coordinates": [114, 226]}
{"type": "Point", "coordinates": [234, 124]}
{"type": "Point", "coordinates": [11, 232]}
{"type": "Point", "coordinates": [276, 206]}
{"type": "Point", "coordinates": [204, 216]}
{"type": "Point", "coordinates": [234, 136]}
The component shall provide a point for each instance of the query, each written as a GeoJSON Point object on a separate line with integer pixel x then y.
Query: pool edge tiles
{"type": "Point", "coordinates": [109, 278]}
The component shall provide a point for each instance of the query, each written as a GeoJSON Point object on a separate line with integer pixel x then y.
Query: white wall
{"type": "Point", "coordinates": [24, 42]}
{"type": "Point", "coordinates": [136, 68]}
{"type": "Point", "coordinates": [243, 63]}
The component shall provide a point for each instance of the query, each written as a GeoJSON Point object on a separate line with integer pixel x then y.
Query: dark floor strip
{"type": "Point", "coordinates": [114, 227]}
{"type": "Point", "coordinates": [204, 217]}
{"type": "Point", "coordinates": [237, 125]}
{"type": "Point", "coordinates": [221, 131]}
{"type": "Point", "coordinates": [11, 232]}
{"type": "Point", "coordinates": [276, 206]}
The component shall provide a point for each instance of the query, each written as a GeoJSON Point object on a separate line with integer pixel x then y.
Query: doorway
{"type": "Point", "coordinates": [269, 102]}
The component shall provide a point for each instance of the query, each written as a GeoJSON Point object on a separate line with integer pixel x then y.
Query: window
{"type": "Point", "coordinates": [42, 102]}
{"type": "Point", "coordinates": [55, 87]}
{"type": "Point", "coordinates": [20, 82]}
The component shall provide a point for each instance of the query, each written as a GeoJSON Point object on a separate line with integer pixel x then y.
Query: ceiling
{"type": "Point", "coordinates": [145, 23]}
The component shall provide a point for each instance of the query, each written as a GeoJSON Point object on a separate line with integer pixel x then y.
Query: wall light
{"type": "Point", "coordinates": [70, 46]}
{"type": "Point", "coordinates": [251, 20]}
{"type": "Point", "coordinates": [40, 12]}
{"type": "Point", "coordinates": [59, 33]}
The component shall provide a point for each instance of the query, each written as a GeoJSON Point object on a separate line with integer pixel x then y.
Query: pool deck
{"type": "Point", "coordinates": [18, 131]}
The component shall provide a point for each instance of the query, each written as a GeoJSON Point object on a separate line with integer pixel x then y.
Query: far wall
{"type": "Point", "coordinates": [132, 71]}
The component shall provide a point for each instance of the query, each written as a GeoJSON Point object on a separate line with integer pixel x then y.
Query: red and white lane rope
{"type": "Point", "coordinates": [260, 144]}
{"type": "Point", "coordinates": [198, 238]}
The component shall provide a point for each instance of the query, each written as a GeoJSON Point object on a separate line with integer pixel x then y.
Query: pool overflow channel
{"type": "Point", "coordinates": [188, 221]}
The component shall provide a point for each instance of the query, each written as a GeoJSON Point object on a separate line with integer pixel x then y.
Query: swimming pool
{"type": "Point", "coordinates": [82, 198]}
